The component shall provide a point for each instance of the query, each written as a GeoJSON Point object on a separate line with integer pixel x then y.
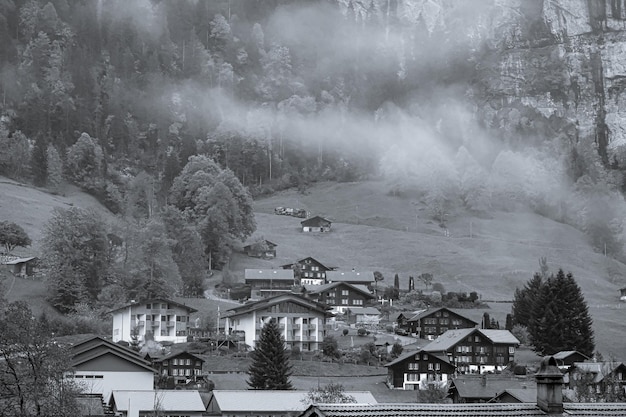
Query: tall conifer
{"type": "Point", "coordinates": [270, 368]}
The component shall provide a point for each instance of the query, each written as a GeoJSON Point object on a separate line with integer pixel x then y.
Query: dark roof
{"type": "Point", "coordinates": [486, 386]}
{"type": "Point", "coordinates": [270, 301]}
{"type": "Point", "coordinates": [564, 354]}
{"type": "Point", "coordinates": [259, 242]}
{"type": "Point", "coordinates": [174, 355]}
{"type": "Point", "coordinates": [350, 276]}
{"type": "Point", "coordinates": [142, 363]}
{"type": "Point", "coordinates": [316, 289]}
{"type": "Point", "coordinates": [152, 300]}
{"type": "Point", "coordinates": [407, 355]}
{"type": "Point", "coordinates": [450, 338]}
{"type": "Point", "coordinates": [269, 274]}
{"type": "Point", "coordinates": [314, 221]}
{"type": "Point", "coordinates": [99, 342]}
{"type": "Point", "coordinates": [301, 261]}
{"type": "Point", "coordinates": [461, 410]}
{"type": "Point", "coordinates": [523, 395]}
{"type": "Point", "coordinates": [429, 312]}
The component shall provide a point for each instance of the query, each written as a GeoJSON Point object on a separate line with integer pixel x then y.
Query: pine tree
{"type": "Point", "coordinates": [396, 282]}
{"type": "Point", "coordinates": [523, 300]}
{"type": "Point", "coordinates": [270, 368]}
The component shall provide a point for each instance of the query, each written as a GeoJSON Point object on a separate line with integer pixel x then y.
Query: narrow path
{"type": "Point", "coordinates": [10, 287]}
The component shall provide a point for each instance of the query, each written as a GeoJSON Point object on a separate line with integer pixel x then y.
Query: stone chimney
{"type": "Point", "coordinates": [549, 386]}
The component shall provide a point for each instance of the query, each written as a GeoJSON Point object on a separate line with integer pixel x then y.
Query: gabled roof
{"type": "Point", "coordinates": [172, 355]}
{"type": "Point", "coordinates": [302, 261]}
{"type": "Point", "coordinates": [523, 395]}
{"type": "Point", "coordinates": [265, 401]}
{"type": "Point", "coordinates": [20, 260]}
{"type": "Point", "coordinates": [314, 221]}
{"type": "Point", "coordinates": [408, 355]}
{"type": "Point", "coordinates": [428, 313]}
{"type": "Point", "coordinates": [153, 300]}
{"type": "Point", "coordinates": [167, 400]}
{"type": "Point", "coordinates": [94, 344]}
{"type": "Point", "coordinates": [450, 338]}
{"type": "Point", "coordinates": [104, 351]}
{"type": "Point", "coordinates": [371, 311]}
{"type": "Point", "coordinates": [564, 354]}
{"type": "Point", "coordinates": [264, 274]}
{"type": "Point", "coordinates": [316, 289]}
{"type": "Point", "coordinates": [267, 242]}
{"type": "Point", "coordinates": [270, 301]}
{"type": "Point", "coordinates": [350, 276]}
{"type": "Point", "coordinates": [461, 410]}
{"type": "Point", "coordinates": [485, 386]}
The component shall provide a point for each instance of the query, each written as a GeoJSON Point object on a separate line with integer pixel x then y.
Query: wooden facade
{"type": "Point", "coordinates": [181, 366]}
{"type": "Point", "coordinates": [262, 249]}
{"type": "Point", "coordinates": [316, 224]}
{"type": "Point", "coordinates": [419, 370]}
{"type": "Point", "coordinates": [309, 270]}
{"type": "Point", "coordinates": [339, 295]}
{"type": "Point", "coordinates": [431, 323]}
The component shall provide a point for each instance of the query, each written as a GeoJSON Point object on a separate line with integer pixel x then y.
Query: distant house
{"type": "Point", "coordinates": [516, 395]}
{"type": "Point", "coordinates": [136, 403]}
{"type": "Point", "coordinates": [429, 324]}
{"type": "Point", "coordinates": [268, 403]}
{"type": "Point", "coordinates": [182, 366]}
{"type": "Point", "coordinates": [159, 319]}
{"type": "Point", "coordinates": [301, 320]}
{"type": "Point", "coordinates": [311, 270]}
{"type": "Point", "coordinates": [339, 295]}
{"type": "Point", "coordinates": [23, 267]}
{"type": "Point", "coordinates": [599, 375]}
{"type": "Point", "coordinates": [101, 366]}
{"type": "Point", "coordinates": [316, 224]}
{"type": "Point", "coordinates": [362, 315]}
{"type": "Point", "coordinates": [261, 249]}
{"type": "Point", "coordinates": [419, 370]}
{"type": "Point", "coordinates": [622, 294]}
{"type": "Point", "coordinates": [566, 358]}
{"type": "Point", "coordinates": [483, 388]}
{"type": "Point", "coordinates": [401, 319]}
{"type": "Point", "coordinates": [268, 282]}
{"type": "Point", "coordinates": [351, 277]}
{"type": "Point", "coordinates": [476, 350]}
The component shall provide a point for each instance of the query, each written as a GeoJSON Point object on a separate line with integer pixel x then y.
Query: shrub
{"type": "Point", "coordinates": [361, 331]}
{"type": "Point", "coordinates": [345, 332]}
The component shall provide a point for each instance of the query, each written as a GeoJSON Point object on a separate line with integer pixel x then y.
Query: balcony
{"type": "Point", "coordinates": [296, 326]}
{"type": "Point", "coordinates": [171, 323]}
{"type": "Point", "coordinates": [140, 323]}
{"type": "Point", "coordinates": [155, 324]}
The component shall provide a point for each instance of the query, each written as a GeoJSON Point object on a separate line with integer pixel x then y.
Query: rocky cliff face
{"type": "Point", "coordinates": [551, 68]}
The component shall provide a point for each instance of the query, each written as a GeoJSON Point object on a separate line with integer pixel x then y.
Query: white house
{"type": "Point", "coordinates": [159, 319]}
{"type": "Point", "coordinates": [139, 403]}
{"type": "Point", "coordinates": [301, 320]}
{"type": "Point", "coordinates": [101, 366]}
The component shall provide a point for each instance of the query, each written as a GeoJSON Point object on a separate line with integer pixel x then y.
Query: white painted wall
{"type": "Point", "coordinates": [113, 381]}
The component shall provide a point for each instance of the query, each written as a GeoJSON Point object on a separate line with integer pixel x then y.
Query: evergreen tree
{"type": "Point", "coordinates": [396, 282]}
{"type": "Point", "coordinates": [39, 161]}
{"type": "Point", "coordinates": [270, 368]}
{"type": "Point", "coordinates": [523, 300]}
{"type": "Point", "coordinates": [560, 318]}
{"type": "Point", "coordinates": [54, 167]}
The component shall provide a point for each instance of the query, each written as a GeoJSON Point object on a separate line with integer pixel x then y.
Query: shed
{"type": "Point", "coordinates": [316, 224]}
{"type": "Point", "coordinates": [23, 267]}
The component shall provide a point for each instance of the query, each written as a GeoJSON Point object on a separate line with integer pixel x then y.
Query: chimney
{"type": "Point", "coordinates": [549, 387]}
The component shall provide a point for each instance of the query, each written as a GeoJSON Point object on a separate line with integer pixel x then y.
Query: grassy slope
{"type": "Point", "coordinates": [375, 231]}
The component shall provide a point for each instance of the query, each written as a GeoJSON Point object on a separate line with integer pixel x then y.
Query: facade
{"type": "Point", "coordinates": [182, 366]}
{"type": "Point", "coordinates": [316, 224]}
{"type": "Point", "coordinates": [429, 324]}
{"type": "Point", "coordinates": [419, 370]}
{"type": "Point", "coordinates": [268, 282]}
{"type": "Point", "coordinates": [311, 271]}
{"type": "Point", "coordinates": [262, 249]}
{"type": "Point", "coordinates": [140, 403]}
{"type": "Point", "coordinates": [401, 319]}
{"type": "Point", "coordinates": [340, 295]}
{"type": "Point", "coordinates": [301, 320]}
{"type": "Point", "coordinates": [351, 277]}
{"type": "Point", "coordinates": [101, 366]}
{"type": "Point", "coordinates": [159, 319]}
{"type": "Point", "coordinates": [268, 403]}
{"type": "Point", "coordinates": [476, 350]}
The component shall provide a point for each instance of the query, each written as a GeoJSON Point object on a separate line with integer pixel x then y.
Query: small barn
{"type": "Point", "coordinates": [316, 224]}
{"type": "Point", "coordinates": [261, 249]}
{"type": "Point", "coordinates": [23, 267]}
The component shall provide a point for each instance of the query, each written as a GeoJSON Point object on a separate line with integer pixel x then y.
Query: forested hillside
{"type": "Point", "coordinates": [484, 105]}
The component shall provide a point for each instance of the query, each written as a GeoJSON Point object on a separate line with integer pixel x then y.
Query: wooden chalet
{"type": "Point", "coordinates": [182, 367]}
{"type": "Point", "coordinates": [352, 277]}
{"type": "Point", "coordinates": [339, 295]}
{"type": "Point", "coordinates": [567, 358]}
{"type": "Point", "coordinates": [429, 324]}
{"type": "Point", "coordinates": [419, 370]}
{"type": "Point", "coordinates": [600, 375]}
{"type": "Point", "coordinates": [316, 224]}
{"type": "Point", "coordinates": [268, 282]}
{"type": "Point", "coordinates": [309, 270]}
{"type": "Point", "coordinates": [261, 249]}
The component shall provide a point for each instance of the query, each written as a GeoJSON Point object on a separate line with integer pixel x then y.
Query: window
{"type": "Point", "coordinates": [438, 314]}
{"type": "Point", "coordinates": [315, 268]}
{"type": "Point", "coordinates": [444, 329]}
{"type": "Point", "coordinates": [198, 364]}
{"type": "Point", "coordinates": [412, 377]}
{"type": "Point", "coordinates": [163, 306]}
{"type": "Point", "coordinates": [188, 362]}
{"type": "Point", "coordinates": [357, 302]}
{"type": "Point", "coordinates": [149, 306]}
{"type": "Point", "coordinates": [332, 294]}
{"type": "Point", "coordinates": [424, 357]}
{"type": "Point", "coordinates": [445, 314]}
{"type": "Point", "coordinates": [187, 372]}
{"type": "Point", "coordinates": [174, 362]}
{"type": "Point", "coordinates": [174, 372]}
{"type": "Point", "coordinates": [344, 301]}
{"type": "Point", "coordinates": [430, 367]}
{"type": "Point", "coordinates": [437, 366]}
{"type": "Point", "coordinates": [165, 363]}
{"type": "Point", "coordinates": [476, 339]}
{"type": "Point", "coordinates": [511, 350]}
{"type": "Point", "coordinates": [413, 366]}
{"type": "Point", "coordinates": [345, 292]}
{"type": "Point", "coordinates": [443, 321]}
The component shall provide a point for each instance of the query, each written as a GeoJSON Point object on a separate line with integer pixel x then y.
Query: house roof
{"type": "Point", "coordinates": [450, 338]}
{"type": "Point", "coordinates": [564, 354]}
{"type": "Point", "coordinates": [453, 410]}
{"type": "Point", "coordinates": [314, 221]}
{"type": "Point", "coordinates": [429, 312]}
{"type": "Point", "coordinates": [263, 274]}
{"type": "Point", "coordinates": [152, 300]}
{"type": "Point", "coordinates": [350, 276]}
{"type": "Point", "coordinates": [523, 395]}
{"type": "Point", "coordinates": [316, 289]}
{"type": "Point", "coordinates": [104, 351]}
{"type": "Point", "coordinates": [175, 355]}
{"type": "Point", "coordinates": [167, 400]}
{"type": "Point", "coordinates": [90, 405]}
{"type": "Point", "coordinates": [97, 346]}
{"type": "Point", "coordinates": [407, 355]}
{"type": "Point", "coordinates": [270, 301]}
{"type": "Point", "coordinates": [267, 242]}
{"type": "Point", "coordinates": [302, 261]}
{"type": "Point", "coordinates": [264, 401]}
{"type": "Point", "coordinates": [364, 310]}
{"type": "Point", "coordinates": [599, 369]}
{"type": "Point", "coordinates": [20, 260]}
{"type": "Point", "coordinates": [487, 386]}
